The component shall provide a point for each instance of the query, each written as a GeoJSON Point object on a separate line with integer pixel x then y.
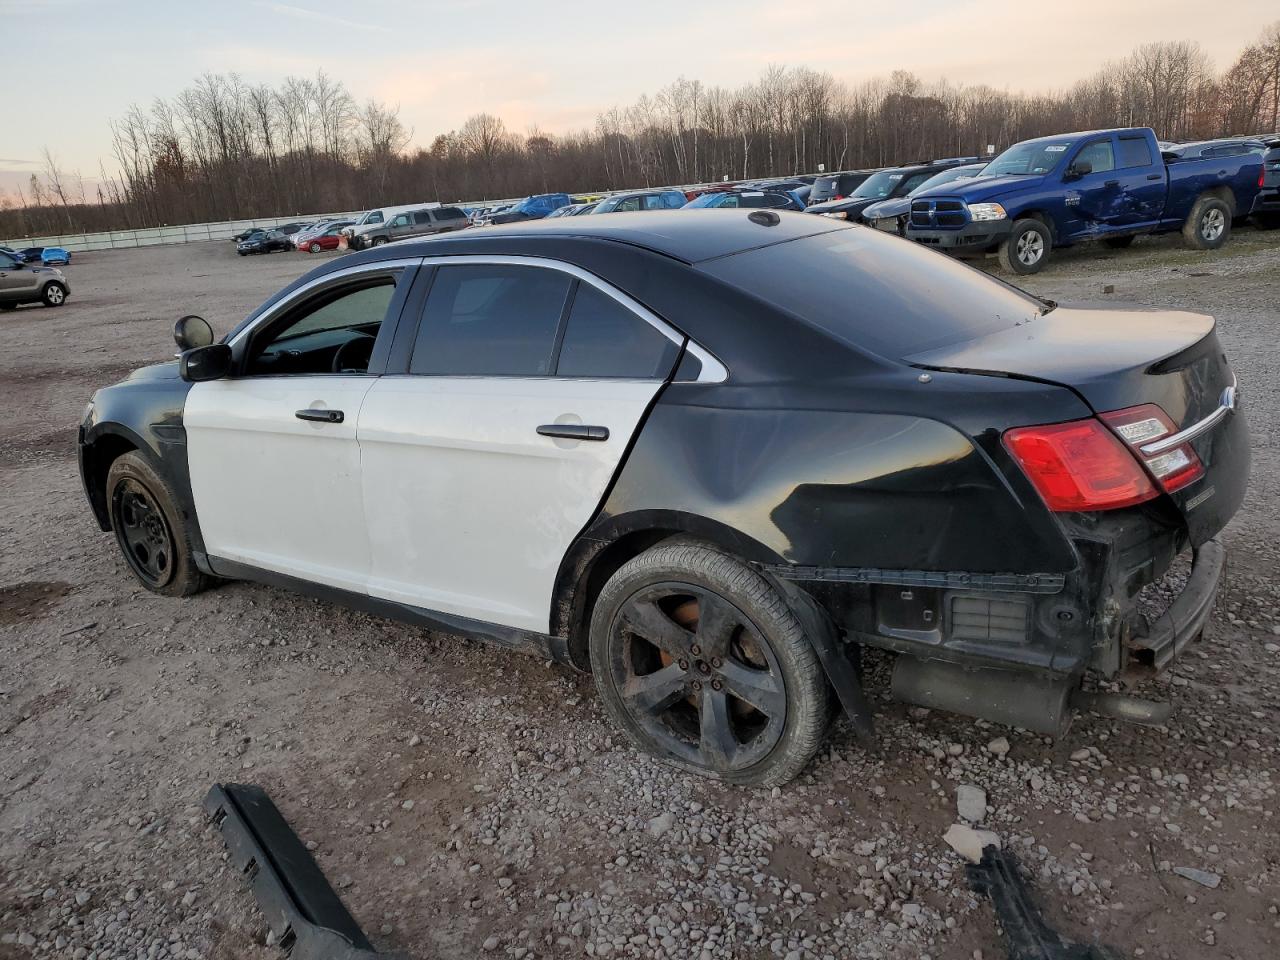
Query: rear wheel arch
{"type": "Point", "coordinates": [595, 557]}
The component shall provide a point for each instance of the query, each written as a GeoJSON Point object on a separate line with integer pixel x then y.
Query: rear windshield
{"type": "Point", "coordinates": [884, 295]}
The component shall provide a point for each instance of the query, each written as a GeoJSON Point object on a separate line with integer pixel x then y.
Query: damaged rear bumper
{"type": "Point", "coordinates": [1156, 644]}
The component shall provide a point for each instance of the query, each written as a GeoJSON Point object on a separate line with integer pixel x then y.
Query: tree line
{"type": "Point", "coordinates": [225, 149]}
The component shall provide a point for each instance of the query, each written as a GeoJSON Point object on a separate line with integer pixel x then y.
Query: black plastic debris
{"type": "Point", "coordinates": [1028, 936]}
{"type": "Point", "coordinates": [301, 909]}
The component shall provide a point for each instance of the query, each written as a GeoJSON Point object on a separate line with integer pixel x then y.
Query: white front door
{"type": "Point", "coordinates": [275, 466]}
{"type": "Point", "coordinates": [484, 463]}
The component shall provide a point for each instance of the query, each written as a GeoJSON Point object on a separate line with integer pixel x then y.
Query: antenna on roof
{"type": "Point", "coordinates": [766, 218]}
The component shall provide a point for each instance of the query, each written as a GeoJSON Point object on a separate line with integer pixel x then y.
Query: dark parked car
{"type": "Point", "coordinates": [891, 215]}
{"type": "Point", "coordinates": [266, 241]}
{"type": "Point", "coordinates": [641, 200]}
{"type": "Point", "coordinates": [1210, 149]}
{"type": "Point", "coordinates": [755, 199]}
{"type": "Point", "coordinates": [1266, 208]}
{"type": "Point", "coordinates": [689, 454]}
{"type": "Point", "coordinates": [837, 186]}
{"type": "Point", "coordinates": [884, 185]}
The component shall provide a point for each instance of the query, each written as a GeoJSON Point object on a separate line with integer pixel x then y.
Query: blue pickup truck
{"type": "Point", "coordinates": [1109, 185]}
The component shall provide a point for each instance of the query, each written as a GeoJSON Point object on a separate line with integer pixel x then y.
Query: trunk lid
{"type": "Point", "coordinates": [1115, 359]}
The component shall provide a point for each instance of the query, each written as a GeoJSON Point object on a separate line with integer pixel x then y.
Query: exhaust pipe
{"type": "Point", "coordinates": [1120, 706]}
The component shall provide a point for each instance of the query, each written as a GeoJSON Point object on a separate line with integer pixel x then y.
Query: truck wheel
{"type": "Point", "coordinates": [1027, 248]}
{"type": "Point", "coordinates": [706, 666]}
{"type": "Point", "coordinates": [150, 530]}
{"type": "Point", "coordinates": [379, 241]}
{"type": "Point", "coordinates": [54, 294]}
{"type": "Point", "coordinates": [1209, 224]}
{"type": "Point", "coordinates": [1119, 243]}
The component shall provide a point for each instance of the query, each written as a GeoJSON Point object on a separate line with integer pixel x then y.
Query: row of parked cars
{"type": "Point", "coordinates": [1036, 196]}
{"type": "Point", "coordinates": [1039, 195]}
{"type": "Point", "coordinates": [49, 256]}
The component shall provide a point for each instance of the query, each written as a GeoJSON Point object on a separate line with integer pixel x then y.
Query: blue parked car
{"type": "Point", "coordinates": [1109, 185]}
{"type": "Point", "coordinates": [530, 208]}
{"type": "Point", "coordinates": [768, 199]}
{"type": "Point", "coordinates": [49, 256]}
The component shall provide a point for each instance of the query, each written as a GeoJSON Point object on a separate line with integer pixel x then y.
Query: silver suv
{"type": "Point", "coordinates": [412, 223]}
{"type": "Point", "coordinates": [30, 283]}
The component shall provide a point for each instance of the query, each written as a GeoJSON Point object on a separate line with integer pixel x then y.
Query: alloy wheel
{"type": "Point", "coordinates": [55, 295]}
{"type": "Point", "coordinates": [697, 676]}
{"type": "Point", "coordinates": [1030, 248]}
{"type": "Point", "coordinates": [1212, 224]}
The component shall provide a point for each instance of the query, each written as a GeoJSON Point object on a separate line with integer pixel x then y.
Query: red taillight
{"type": "Point", "coordinates": [1147, 424]}
{"type": "Point", "coordinates": [839, 196]}
{"type": "Point", "coordinates": [1079, 466]}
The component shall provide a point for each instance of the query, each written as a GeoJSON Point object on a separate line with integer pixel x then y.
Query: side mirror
{"type": "Point", "coordinates": [191, 332]}
{"type": "Point", "coordinates": [212, 362]}
{"type": "Point", "coordinates": [1080, 168]}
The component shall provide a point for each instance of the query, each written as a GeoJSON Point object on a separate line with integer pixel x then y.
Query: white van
{"type": "Point", "coordinates": [372, 219]}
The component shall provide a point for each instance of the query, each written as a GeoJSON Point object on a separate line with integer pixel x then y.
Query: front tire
{"type": "Point", "coordinates": [315, 248]}
{"type": "Point", "coordinates": [150, 530]}
{"type": "Point", "coordinates": [1026, 249]}
{"type": "Point", "coordinates": [1208, 225]}
{"type": "Point", "coordinates": [706, 666]}
{"type": "Point", "coordinates": [379, 241]}
{"type": "Point", "coordinates": [54, 294]}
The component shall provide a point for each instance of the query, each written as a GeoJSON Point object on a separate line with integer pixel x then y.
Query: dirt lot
{"type": "Point", "coordinates": [471, 802]}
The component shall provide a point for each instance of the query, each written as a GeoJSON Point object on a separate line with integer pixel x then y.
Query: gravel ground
{"type": "Point", "coordinates": [467, 801]}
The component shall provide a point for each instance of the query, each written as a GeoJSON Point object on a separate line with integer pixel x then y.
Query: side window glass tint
{"type": "Point", "coordinates": [1134, 152]}
{"type": "Point", "coordinates": [605, 339]}
{"type": "Point", "coordinates": [491, 320]}
{"type": "Point", "coordinates": [421, 217]}
{"type": "Point", "coordinates": [333, 334]}
{"type": "Point", "coordinates": [1098, 155]}
{"type": "Point", "coordinates": [375, 217]}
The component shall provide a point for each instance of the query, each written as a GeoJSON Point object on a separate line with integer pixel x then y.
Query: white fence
{"type": "Point", "coordinates": [154, 236]}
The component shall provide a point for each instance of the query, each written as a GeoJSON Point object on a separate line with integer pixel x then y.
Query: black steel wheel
{"type": "Point", "coordinates": [703, 662]}
{"type": "Point", "coordinates": [143, 533]}
{"type": "Point", "coordinates": [150, 530]}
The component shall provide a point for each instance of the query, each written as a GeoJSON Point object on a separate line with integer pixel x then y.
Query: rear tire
{"type": "Point", "coordinates": [1026, 250]}
{"type": "Point", "coordinates": [150, 530]}
{"type": "Point", "coordinates": [54, 294]}
{"type": "Point", "coordinates": [1208, 225]}
{"type": "Point", "coordinates": [1119, 243]}
{"type": "Point", "coordinates": [724, 630]}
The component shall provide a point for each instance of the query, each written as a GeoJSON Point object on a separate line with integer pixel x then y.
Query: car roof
{"type": "Point", "coordinates": [691, 236]}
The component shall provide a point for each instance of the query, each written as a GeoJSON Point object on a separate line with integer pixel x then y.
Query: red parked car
{"type": "Point", "coordinates": [329, 240]}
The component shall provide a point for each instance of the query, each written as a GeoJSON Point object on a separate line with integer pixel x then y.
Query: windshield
{"type": "Point", "coordinates": [1028, 159]}
{"type": "Point", "coordinates": [879, 185]}
{"type": "Point", "coordinates": [706, 200]}
{"type": "Point", "coordinates": [948, 176]}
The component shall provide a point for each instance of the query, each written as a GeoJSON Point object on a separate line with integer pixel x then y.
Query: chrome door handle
{"type": "Point", "coordinates": [573, 431]}
{"type": "Point", "coordinates": [321, 416]}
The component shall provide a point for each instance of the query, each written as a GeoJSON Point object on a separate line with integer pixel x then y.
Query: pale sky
{"type": "Point", "coordinates": [72, 65]}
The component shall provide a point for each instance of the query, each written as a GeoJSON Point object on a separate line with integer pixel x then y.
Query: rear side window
{"type": "Point", "coordinates": [1134, 152]}
{"type": "Point", "coordinates": [889, 298]}
{"type": "Point", "coordinates": [492, 320]}
{"type": "Point", "coordinates": [421, 217]}
{"type": "Point", "coordinates": [605, 339]}
{"type": "Point", "coordinates": [450, 213]}
{"type": "Point", "coordinates": [673, 200]}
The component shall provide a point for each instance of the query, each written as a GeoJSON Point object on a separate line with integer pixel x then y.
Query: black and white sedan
{"type": "Point", "coordinates": [707, 456]}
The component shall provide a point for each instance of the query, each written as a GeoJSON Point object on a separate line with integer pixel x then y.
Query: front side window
{"type": "Point", "coordinates": [604, 339]}
{"type": "Point", "coordinates": [1098, 155]}
{"type": "Point", "coordinates": [401, 221]}
{"type": "Point", "coordinates": [495, 320]}
{"type": "Point", "coordinates": [7, 262]}
{"type": "Point", "coordinates": [332, 333]}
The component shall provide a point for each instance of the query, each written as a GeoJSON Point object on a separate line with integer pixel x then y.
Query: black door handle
{"type": "Point", "coordinates": [1155, 176]}
{"type": "Point", "coordinates": [573, 431]}
{"type": "Point", "coordinates": [320, 416]}
{"type": "Point", "coordinates": [1112, 183]}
